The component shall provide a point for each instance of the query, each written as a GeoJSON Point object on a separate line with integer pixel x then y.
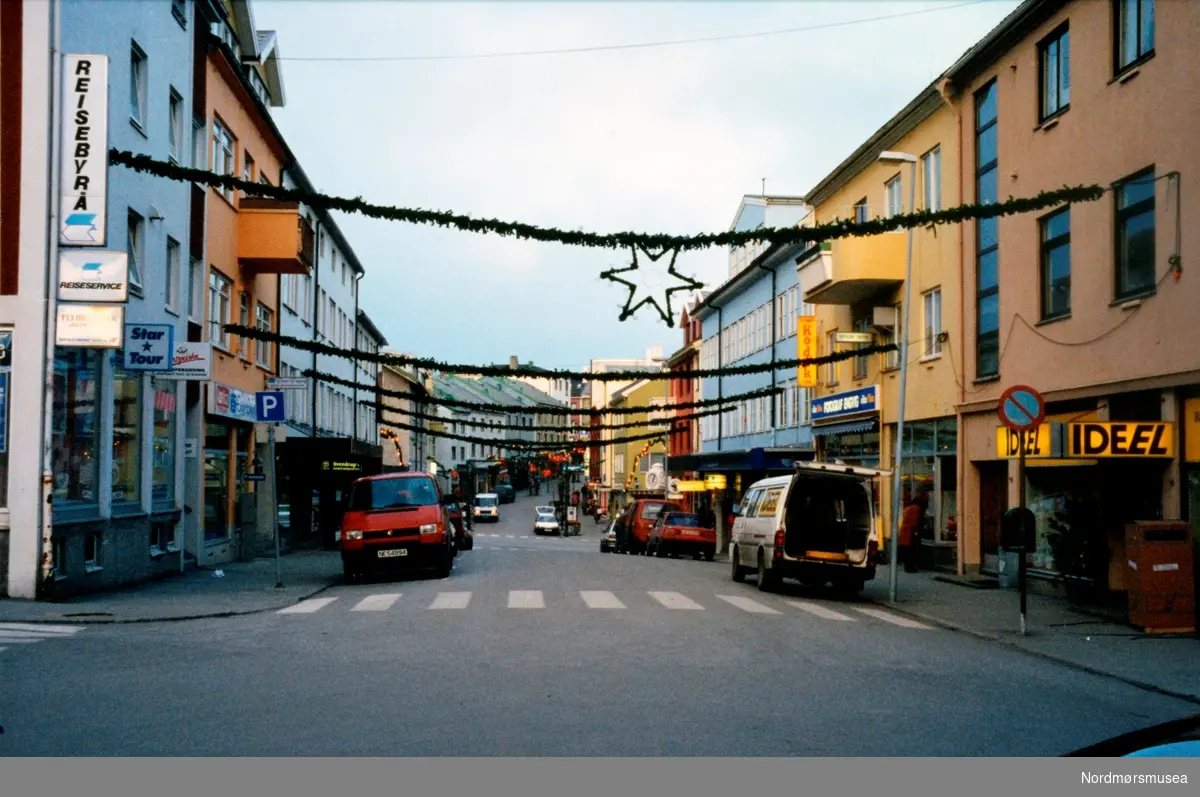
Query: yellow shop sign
{"type": "Point", "coordinates": [1121, 439]}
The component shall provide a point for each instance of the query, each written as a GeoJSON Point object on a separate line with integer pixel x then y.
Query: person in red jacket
{"type": "Point", "coordinates": [910, 534]}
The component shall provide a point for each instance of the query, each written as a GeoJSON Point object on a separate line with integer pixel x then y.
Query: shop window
{"type": "Point", "coordinates": [127, 449]}
{"type": "Point", "coordinates": [165, 419]}
{"type": "Point", "coordinates": [75, 437]}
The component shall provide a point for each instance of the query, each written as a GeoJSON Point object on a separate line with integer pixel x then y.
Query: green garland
{"type": "Point", "coordinates": [533, 445]}
{"type": "Point", "coordinates": [841, 228]}
{"type": "Point", "coordinates": [504, 371]}
{"type": "Point", "coordinates": [608, 427]}
{"type": "Point", "coordinates": [521, 409]}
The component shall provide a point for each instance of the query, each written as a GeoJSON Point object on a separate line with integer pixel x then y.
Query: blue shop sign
{"type": "Point", "coordinates": [149, 347]}
{"type": "Point", "coordinates": [852, 402]}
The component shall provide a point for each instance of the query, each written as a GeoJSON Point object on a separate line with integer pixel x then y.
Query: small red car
{"type": "Point", "coordinates": [397, 520]}
{"type": "Point", "coordinates": [681, 532]}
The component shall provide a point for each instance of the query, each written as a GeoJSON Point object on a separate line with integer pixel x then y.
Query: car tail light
{"type": "Point", "coordinates": [780, 537]}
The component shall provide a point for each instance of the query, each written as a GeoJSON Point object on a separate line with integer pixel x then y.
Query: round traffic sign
{"type": "Point", "coordinates": [1021, 407]}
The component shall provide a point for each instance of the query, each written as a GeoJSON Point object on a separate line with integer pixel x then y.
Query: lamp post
{"type": "Point", "coordinates": [902, 334]}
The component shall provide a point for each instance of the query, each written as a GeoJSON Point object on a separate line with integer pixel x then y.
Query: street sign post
{"type": "Point", "coordinates": [1022, 409]}
{"type": "Point", "coordinates": [269, 409]}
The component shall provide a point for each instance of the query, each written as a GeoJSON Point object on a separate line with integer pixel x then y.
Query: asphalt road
{"type": "Point", "coordinates": [546, 647]}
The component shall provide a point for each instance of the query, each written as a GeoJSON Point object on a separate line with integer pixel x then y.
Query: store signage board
{"type": "Point", "coordinates": [1130, 439]}
{"type": "Point", "coordinates": [3, 412]}
{"type": "Point", "coordinates": [1036, 442]}
{"type": "Point", "coordinates": [853, 337]}
{"type": "Point", "coordinates": [806, 349]}
{"type": "Point", "coordinates": [90, 326]}
{"type": "Point", "coordinates": [83, 191]}
{"type": "Point", "coordinates": [287, 383]}
{"type": "Point", "coordinates": [149, 347]}
{"type": "Point", "coordinates": [5, 349]}
{"type": "Point", "coordinates": [853, 402]}
{"type": "Point", "coordinates": [1021, 407]}
{"type": "Point", "coordinates": [191, 362]}
{"type": "Point", "coordinates": [90, 276]}
{"type": "Point", "coordinates": [229, 402]}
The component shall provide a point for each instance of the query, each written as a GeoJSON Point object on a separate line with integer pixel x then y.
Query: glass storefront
{"type": "Point", "coordinates": [216, 482]}
{"type": "Point", "coordinates": [127, 449]}
{"type": "Point", "coordinates": [858, 450]}
{"type": "Point", "coordinates": [75, 436]}
{"type": "Point", "coordinates": [165, 420]}
{"type": "Point", "coordinates": [930, 475]}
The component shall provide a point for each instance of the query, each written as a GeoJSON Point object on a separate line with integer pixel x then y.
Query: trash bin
{"type": "Point", "coordinates": [1159, 576]}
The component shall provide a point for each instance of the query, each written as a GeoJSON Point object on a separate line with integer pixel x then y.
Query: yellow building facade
{"type": "Point", "coordinates": [634, 462]}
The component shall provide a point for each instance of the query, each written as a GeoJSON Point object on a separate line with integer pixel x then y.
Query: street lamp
{"type": "Point", "coordinates": [902, 334]}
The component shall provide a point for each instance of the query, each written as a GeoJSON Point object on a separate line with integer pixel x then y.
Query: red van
{"type": "Point", "coordinates": [397, 520]}
{"type": "Point", "coordinates": [640, 518]}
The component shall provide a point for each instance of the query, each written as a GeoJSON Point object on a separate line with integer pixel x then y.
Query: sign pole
{"type": "Point", "coordinates": [274, 504]}
{"type": "Point", "coordinates": [1022, 409]}
{"type": "Point", "coordinates": [1021, 502]}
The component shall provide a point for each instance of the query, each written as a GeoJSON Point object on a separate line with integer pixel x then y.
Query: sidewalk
{"type": "Point", "coordinates": [246, 588]}
{"type": "Point", "coordinates": [1055, 630]}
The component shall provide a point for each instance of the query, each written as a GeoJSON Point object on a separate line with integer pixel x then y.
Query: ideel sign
{"type": "Point", "coordinates": [1036, 442]}
{"type": "Point", "coordinates": [806, 348]}
{"type": "Point", "coordinates": [1122, 439]}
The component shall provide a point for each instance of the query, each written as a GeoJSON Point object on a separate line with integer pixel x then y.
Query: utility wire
{"type": "Point", "coordinates": [640, 45]}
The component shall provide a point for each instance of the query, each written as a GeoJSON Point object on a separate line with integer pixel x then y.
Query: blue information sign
{"type": "Point", "coordinates": [852, 402]}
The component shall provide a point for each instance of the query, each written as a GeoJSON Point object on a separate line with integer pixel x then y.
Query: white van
{"type": "Point", "coordinates": [817, 526]}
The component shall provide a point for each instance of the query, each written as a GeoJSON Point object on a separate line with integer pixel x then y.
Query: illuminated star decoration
{"type": "Point", "coordinates": [653, 282]}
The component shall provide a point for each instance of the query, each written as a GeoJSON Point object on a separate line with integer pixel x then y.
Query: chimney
{"type": "Point", "coordinates": [512, 362]}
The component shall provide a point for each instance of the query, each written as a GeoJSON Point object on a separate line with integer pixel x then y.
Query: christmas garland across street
{"type": "Point", "coordinates": [504, 370]}
{"type": "Point", "coordinates": [608, 427]}
{"type": "Point", "coordinates": [534, 445]}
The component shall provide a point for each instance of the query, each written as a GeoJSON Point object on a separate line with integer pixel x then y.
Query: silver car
{"type": "Point", "coordinates": [608, 542]}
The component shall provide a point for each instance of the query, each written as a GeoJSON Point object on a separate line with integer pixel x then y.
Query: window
{"type": "Point", "coordinates": [247, 169]}
{"type": "Point", "coordinates": [1056, 264]}
{"type": "Point", "coordinates": [137, 85]}
{"type": "Point", "coordinates": [1135, 235]}
{"type": "Point", "coordinates": [831, 377]}
{"type": "Point", "coordinates": [987, 243]}
{"type": "Point", "coordinates": [931, 176]}
{"type": "Point", "coordinates": [265, 323]}
{"type": "Point", "coordinates": [93, 544]}
{"type": "Point", "coordinates": [891, 359]}
{"type": "Point", "coordinates": [891, 190]}
{"type": "Point", "coordinates": [176, 126]}
{"type": "Point", "coordinates": [1134, 31]}
{"type": "Point", "coordinates": [220, 298]}
{"type": "Point", "coordinates": [137, 239]}
{"type": "Point", "coordinates": [76, 432]}
{"type": "Point", "coordinates": [195, 290]}
{"type": "Point", "coordinates": [933, 322]}
{"type": "Point", "coordinates": [1055, 68]}
{"type": "Point", "coordinates": [244, 320]}
{"type": "Point", "coordinates": [260, 87]}
{"type": "Point", "coordinates": [127, 446]}
{"type": "Point", "coordinates": [222, 158]}
{"type": "Point", "coordinates": [860, 211]}
{"type": "Point", "coordinates": [860, 362]}
{"type": "Point", "coordinates": [173, 272]}
{"type": "Point", "coordinates": [179, 9]}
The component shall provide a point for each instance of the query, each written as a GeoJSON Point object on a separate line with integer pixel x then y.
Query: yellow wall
{"type": "Point", "coordinates": [639, 397]}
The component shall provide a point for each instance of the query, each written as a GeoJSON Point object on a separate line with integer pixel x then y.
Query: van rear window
{"type": "Point", "coordinates": [650, 511]}
{"type": "Point", "coordinates": [380, 494]}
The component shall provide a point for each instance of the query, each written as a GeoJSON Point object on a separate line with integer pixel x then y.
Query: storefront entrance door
{"type": "Point", "coordinates": [993, 500]}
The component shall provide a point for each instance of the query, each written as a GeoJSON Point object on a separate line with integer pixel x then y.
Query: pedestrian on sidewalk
{"type": "Point", "coordinates": [622, 534]}
{"type": "Point", "coordinates": [910, 534]}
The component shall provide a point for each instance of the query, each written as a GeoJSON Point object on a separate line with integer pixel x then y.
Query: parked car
{"type": "Point", "coordinates": [487, 507]}
{"type": "Point", "coordinates": [546, 509]}
{"type": "Point", "coordinates": [545, 523]}
{"type": "Point", "coordinates": [506, 493]}
{"type": "Point", "coordinates": [397, 520]}
{"type": "Point", "coordinates": [1178, 738]}
{"type": "Point", "coordinates": [679, 533]}
{"type": "Point", "coordinates": [817, 526]}
{"type": "Point", "coordinates": [463, 539]}
{"type": "Point", "coordinates": [640, 517]}
{"type": "Point", "coordinates": [608, 542]}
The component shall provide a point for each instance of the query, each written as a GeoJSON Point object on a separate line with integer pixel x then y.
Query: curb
{"type": "Point", "coordinates": [1143, 685]}
{"type": "Point", "coordinates": [176, 619]}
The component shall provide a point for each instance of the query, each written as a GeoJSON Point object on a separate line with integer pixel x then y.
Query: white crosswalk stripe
{"type": "Point", "coordinates": [894, 619]}
{"type": "Point", "coordinates": [600, 599]}
{"type": "Point", "coordinates": [63, 630]}
{"type": "Point", "coordinates": [675, 600]}
{"type": "Point", "coordinates": [451, 600]}
{"type": "Point", "coordinates": [308, 606]}
{"type": "Point", "coordinates": [526, 599]}
{"type": "Point", "coordinates": [376, 603]}
{"type": "Point", "coordinates": [820, 611]}
{"type": "Point", "coordinates": [748, 605]}
{"type": "Point", "coordinates": [32, 633]}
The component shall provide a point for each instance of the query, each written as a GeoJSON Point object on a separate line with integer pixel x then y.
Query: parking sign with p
{"type": "Point", "coordinates": [268, 405]}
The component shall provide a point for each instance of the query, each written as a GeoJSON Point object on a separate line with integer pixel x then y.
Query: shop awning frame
{"type": "Point", "coordinates": [847, 427]}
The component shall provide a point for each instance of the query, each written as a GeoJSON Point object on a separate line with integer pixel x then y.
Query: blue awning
{"type": "Point", "coordinates": [850, 427]}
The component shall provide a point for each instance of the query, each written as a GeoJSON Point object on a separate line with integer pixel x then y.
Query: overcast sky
{"type": "Point", "coordinates": [656, 139]}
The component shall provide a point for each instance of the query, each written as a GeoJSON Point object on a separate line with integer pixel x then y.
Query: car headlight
{"type": "Point", "coordinates": [353, 535]}
{"type": "Point", "coordinates": [429, 528]}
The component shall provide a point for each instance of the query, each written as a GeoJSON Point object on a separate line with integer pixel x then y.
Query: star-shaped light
{"type": "Point", "coordinates": [652, 280]}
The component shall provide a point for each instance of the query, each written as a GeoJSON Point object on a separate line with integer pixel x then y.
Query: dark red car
{"type": "Point", "coordinates": [681, 533]}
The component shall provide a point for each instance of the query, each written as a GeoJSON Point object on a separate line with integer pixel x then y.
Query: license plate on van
{"type": "Point", "coordinates": [392, 554]}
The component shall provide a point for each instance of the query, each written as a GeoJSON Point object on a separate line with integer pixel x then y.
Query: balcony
{"type": "Point", "coordinates": [853, 270]}
{"type": "Point", "coordinates": [273, 238]}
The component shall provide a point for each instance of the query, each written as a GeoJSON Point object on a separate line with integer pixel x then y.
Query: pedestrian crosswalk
{"type": "Point", "coordinates": [604, 600]}
{"type": "Point", "coordinates": [32, 633]}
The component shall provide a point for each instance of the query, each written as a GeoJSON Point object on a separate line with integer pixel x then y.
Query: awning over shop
{"type": "Point", "coordinates": [755, 459]}
{"type": "Point", "coordinates": [849, 427]}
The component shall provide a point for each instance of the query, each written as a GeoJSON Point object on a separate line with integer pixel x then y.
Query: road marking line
{"type": "Point", "coordinates": [20, 634]}
{"type": "Point", "coordinates": [821, 611]}
{"type": "Point", "coordinates": [747, 605]}
{"type": "Point", "coordinates": [3, 649]}
{"type": "Point", "coordinates": [64, 630]}
{"type": "Point", "coordinates": [376, 603]}
{"type": "Point", "coordinates": [601, 599]}
{"type": "Point", "coordinates": [308, 607]}
{"type": "Point", "coordinates": [20, 640]}
{"type": "Point", "coordinates": [526, 599]}
{"type": "Point", "coordinates": [451, 600]}
{"type": "Point", "coordinates": [888, 617]}
{"type": "Point", "coordinates": [675, 600]}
